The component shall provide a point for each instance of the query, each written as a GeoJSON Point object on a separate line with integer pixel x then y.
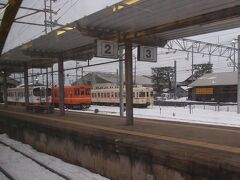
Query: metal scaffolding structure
{"type": "Point", "coordinates": [204, 48]}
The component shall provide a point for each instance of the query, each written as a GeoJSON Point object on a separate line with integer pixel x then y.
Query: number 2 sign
{"type": "Point", "coordinates": [107, 49]}
{"type": "Point", "coordinates": [147, 53]}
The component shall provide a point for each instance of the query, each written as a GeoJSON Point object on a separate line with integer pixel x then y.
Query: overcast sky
{"type": "Point", "coordinates": [71, 10]}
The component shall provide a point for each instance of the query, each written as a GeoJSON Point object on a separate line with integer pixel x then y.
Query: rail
{"type": "Point", "coordinates": [34, 160]}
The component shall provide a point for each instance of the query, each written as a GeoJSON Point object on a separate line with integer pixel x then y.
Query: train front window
{"type": "Point", "coordinates": [49, 92]}
{"type": "Point", "coordinates": [36, 91]}
{"type": "Point", "coordinates": [151, 93]}
{"type": "Point", "coordinates": [43, 92]}
{"type": "Point", "coordinates": [141, 94]}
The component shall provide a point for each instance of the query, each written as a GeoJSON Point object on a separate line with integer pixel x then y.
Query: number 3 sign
{"type": "Point", "coordinates": [107, 49]}
{"type": "Point", "coordinates": [147, 53]}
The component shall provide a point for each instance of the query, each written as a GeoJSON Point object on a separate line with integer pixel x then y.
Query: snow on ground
{"type": "Point", "coordinates": [226, 116]}
{"type": "Point", "coordinates": [3, 177]}
{"type": "Point", "coordinates": [23, 168]}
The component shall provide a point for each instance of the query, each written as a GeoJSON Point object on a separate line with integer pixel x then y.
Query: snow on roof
{"type": "Point", "coordinates": [216, 79]}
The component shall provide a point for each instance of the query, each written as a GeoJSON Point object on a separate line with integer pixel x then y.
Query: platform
{"type": "Point", "coordinates": [189, 150]}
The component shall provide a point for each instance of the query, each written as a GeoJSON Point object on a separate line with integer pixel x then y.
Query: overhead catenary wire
{"type": "Point", "coordinates": [67, 10]}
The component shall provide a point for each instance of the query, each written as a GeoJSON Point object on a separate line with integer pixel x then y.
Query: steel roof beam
{"type": "Point", "coordinates": [7, 21]}
{"type": "Point", "coordinates": [212, 17]}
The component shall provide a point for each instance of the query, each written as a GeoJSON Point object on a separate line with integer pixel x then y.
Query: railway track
{"type": "Point", "coordinates": [9, 176]}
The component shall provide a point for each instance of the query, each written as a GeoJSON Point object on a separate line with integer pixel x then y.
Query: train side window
{"type": "Point", "coordinates": [151, 94]}
{"type": "Point", "coordinates": [82, 92]}
{"type": "Point", "coordinates": [77, 92]}
{"type": "Point", "coordinates": [88, 92]}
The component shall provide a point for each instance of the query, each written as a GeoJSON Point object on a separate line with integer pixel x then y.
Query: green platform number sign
{"type": "Point", "coordinates": [107, 49]}
{"type": "Point", "coordinates": [147, 53]}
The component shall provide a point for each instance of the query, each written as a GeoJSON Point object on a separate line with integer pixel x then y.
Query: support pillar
{"type": "Point", "coordinates": [61, 87]}
{"type": "Point", "coordinates": [129, 83]}
{"type": "Point", "coordinates": [238, 70]}
{"type": "Point", "coordinates": [26, 89]}
{"type": "Point", "coordinates": [52, 77]}
{"type": "Point", "coordinates": [47, 85]}
{"type": "Point", "coordinates": [175, 79]}
{"type": "Point", "coordinates": [121, 102]}
{"type": "Point", "coordinates": [5, 89]}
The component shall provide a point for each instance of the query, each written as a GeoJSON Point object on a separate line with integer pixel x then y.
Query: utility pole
{"type": "Point", "coordinates": [238, 86]}
{"type": "Point", "coordinates": [76, 71]}
{"type": "Point", "coordinates": [234, 54]}
{"type": "Point", "coordinates": [45, 16]}
{"type": "Point", "coordinates": [135, 70]}
{"type": "Point", "coordinates": [117, 74]}
{"type": "Point", "coordinates": [192, 62]}
{"type": "Point", "coordinates": [121, 102]}
{"type": "Point", "coordinates": [175, 79]}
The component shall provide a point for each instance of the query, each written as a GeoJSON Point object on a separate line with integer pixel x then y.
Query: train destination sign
{"type": "Point", "coordinates": [107, 49]}
{"type": "Point", "coordinates": [147, 53]}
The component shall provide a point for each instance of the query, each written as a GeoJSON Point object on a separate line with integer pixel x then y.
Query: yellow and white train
{"type": "Point", "coordinates": [108, 94]}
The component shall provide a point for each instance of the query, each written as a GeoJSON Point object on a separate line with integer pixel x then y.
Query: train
{"type": "Point", "coordinates": [80, 96]}
{"type": "Point", "coordinates": [108, 94]}
{"type": "Point", "coordinates": [75, 97]}
{"type": "Point", "coordinates": [37, 95]}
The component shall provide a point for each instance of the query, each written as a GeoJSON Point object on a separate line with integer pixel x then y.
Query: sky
{"type": "Point", "coordinates": [71, 10]}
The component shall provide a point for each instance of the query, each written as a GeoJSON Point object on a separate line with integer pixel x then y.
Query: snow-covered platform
{"type": "Point", "coordinates": [149, 149]}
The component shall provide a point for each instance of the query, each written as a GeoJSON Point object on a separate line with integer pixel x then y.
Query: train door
{"type": "Point", "coordinates": [43, 95]}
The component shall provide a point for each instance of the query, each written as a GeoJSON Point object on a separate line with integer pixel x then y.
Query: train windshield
{"type": "Point", "coordinates": [41, 92]}
{"type": "Point", "coordinates": [49, 92]}
{"type": "Point", "coordinates": [36, 91]}
{"type": "Point", "coordinates": [141, 94]}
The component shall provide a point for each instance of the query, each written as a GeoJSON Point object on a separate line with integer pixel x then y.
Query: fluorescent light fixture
{"type": "Point", "coordinates": [60, 32]}
{"type": "Point", "coordinates": [130, 2]}
{"type": "Point", "coordinates": [68, 28]}
{"type": "Point", "coordinates": [117, 8]}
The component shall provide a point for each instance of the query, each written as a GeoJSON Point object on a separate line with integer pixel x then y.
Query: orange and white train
{"type": "Point", "coordinates": [75, 97]}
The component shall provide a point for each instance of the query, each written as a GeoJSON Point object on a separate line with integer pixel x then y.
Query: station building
{"type": "Point", "coordinates": [94, 78]}
{"type": "Point", "coordinates": [216, 87]}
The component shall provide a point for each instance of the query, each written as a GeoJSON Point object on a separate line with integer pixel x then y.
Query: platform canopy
{"type": "Point", "coordinates": [147, 22]}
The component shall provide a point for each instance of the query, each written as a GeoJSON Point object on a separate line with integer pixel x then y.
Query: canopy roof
{"type": "Point", "coordinates": [148, 22]}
